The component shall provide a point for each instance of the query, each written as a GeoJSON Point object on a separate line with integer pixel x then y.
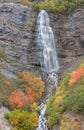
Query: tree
{"type": "Point", "coordinates": [17, 99]}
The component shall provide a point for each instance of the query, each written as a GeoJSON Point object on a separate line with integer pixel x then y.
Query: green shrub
{"type": "Point", "coordinates": [54, 111]}
{"type": "Point", "coordinates": [23, 120]}
{"type": "Point", "coordinates": [74, 98]}
{"type": "Point", "coordinates": [6, 87]}
{"type": "Point", "coordinates": [2, 54]}
{"type": "Point", "coordinates": [68, 97]}
{"type": "Point", "coordinates": [59, 6]}
{"type": "Point", "coordinates": [54, 107]}
{"type": "Point", "coordinates": [36, 73]}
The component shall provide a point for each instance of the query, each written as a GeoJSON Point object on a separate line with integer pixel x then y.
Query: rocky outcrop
{"type": "Point", "coordinates": [69, 36]}
{"type": "Point", "coordinates": [16, 36]}
{"type": "Point", "coordinates": [4, 124]}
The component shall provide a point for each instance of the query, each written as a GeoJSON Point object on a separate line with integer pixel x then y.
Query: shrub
{"type": "Point", "coordinates": [20, 92]}
{"type": "Point", "coordinates": [66, 123]}
{"type": "Point", "coordinates": [2, 54]}
{"type": "Point", "coordinates": [76, 75]}
{"type": "Point", "coordinates": [32, 85]}
{"type": "Point", "coordinates": [59, 6]}
{"type": "Point", "coordinates": [6, 87]}
{"type": "Point", "coordinates": [23, 120]}
{"type": "Point", "coordinates": [17, 99]}
{"type": "Point", "coordinates": [54, 112]}
{"type": "Point", "coordinates": [69, 96]}
{"type": "Point", "coordinates": [76, 125]}
{"type": "Point", "coordinates": [74, 98]}
{"type": "Point", "coordinates": [35, 106]}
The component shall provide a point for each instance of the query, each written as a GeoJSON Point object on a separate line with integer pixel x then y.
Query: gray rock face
{"type": "Point", "coordinates": [10, 1]}
{"type": "Point", "coordinates": [69, 31]}
{"type": "Point", "coordinates": [16, 24]}
{"type": "Point", "coordinates": [17, 37]}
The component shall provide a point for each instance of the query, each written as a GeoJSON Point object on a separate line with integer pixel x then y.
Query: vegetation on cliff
{"type": "Point", "coordinates": [2, 55]}
{"type": "Point", "coordinates": [69, 97]}
{"type": "Point", "coordinates": [22, 95]}
{"type": "Point", "coordinates": [54, 5]}
{"type": "Point", "coordinates": [23, 120]}
{"type": "Point", "coordinates": [59, 5]}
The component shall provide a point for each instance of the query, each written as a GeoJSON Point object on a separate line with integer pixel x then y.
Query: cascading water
{"type": "Point", "coordinates": [47, 57]}
{"type": "Point", "coordinates": [45, 39]}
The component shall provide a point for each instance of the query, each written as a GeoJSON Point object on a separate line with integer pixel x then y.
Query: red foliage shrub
{"type": "Point", "coordinates": [76, 75]}
{"type": "Point", "coordinates": [17, 99]}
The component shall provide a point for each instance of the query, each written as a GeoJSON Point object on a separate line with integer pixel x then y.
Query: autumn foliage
{"type": "Point", "coordinates": [23, 120]}
{"type": "Point", "coordinates": [21, 95]}
{"type": "Point", "coordinates": [30, 89]}
{"type": "Point", "coordinates": [69, 97]}
{"type": "Point", "coordinates": [77, 124]}
{"type": "Point", "coordinates": [30, 94]}
{"type": "Point", "coordinates": [76, 75]}
{"type": "Point", "coordinates": [34, 86]}
{"type": "Point", "coordinates": [17, 99]}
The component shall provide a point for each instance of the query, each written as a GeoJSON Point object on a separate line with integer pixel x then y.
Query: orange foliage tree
{"type": "Point", "coordinates": [30, 94]}
{"type": "Point", "coordinates": [35, 87]}
{"type": "Point", "coordinates": [32, 90]}
{"type": "Point", "coordinates": [76, 75]}
{"type": "Point", "coordinates": [17, 99]}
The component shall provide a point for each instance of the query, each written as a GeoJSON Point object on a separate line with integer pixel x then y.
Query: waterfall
{"type": "Point", "coordinates": [46, 56]}
{"type": "Point", "coordinates": [45, 40]}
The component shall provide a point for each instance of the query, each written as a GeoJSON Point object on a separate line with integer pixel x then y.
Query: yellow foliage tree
{"type": "Point", "coordinates": [34, 118]}
{"type": "Point", "coordinates": [35, 106]}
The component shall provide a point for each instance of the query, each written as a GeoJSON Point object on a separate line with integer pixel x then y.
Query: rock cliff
{"type": "Point", "coordinates": [17, 37]}
{"type": "Point", "coordinates": [69, 34]}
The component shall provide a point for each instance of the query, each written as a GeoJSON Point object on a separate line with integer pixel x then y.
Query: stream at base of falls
{"type": "Point", "coordinates": [47, 57]}
{"type": "Point", "coordinates": [42, 125]}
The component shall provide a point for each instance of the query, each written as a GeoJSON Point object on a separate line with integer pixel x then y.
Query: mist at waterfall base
{"type": "Point", "coordinates": [47, 58]}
